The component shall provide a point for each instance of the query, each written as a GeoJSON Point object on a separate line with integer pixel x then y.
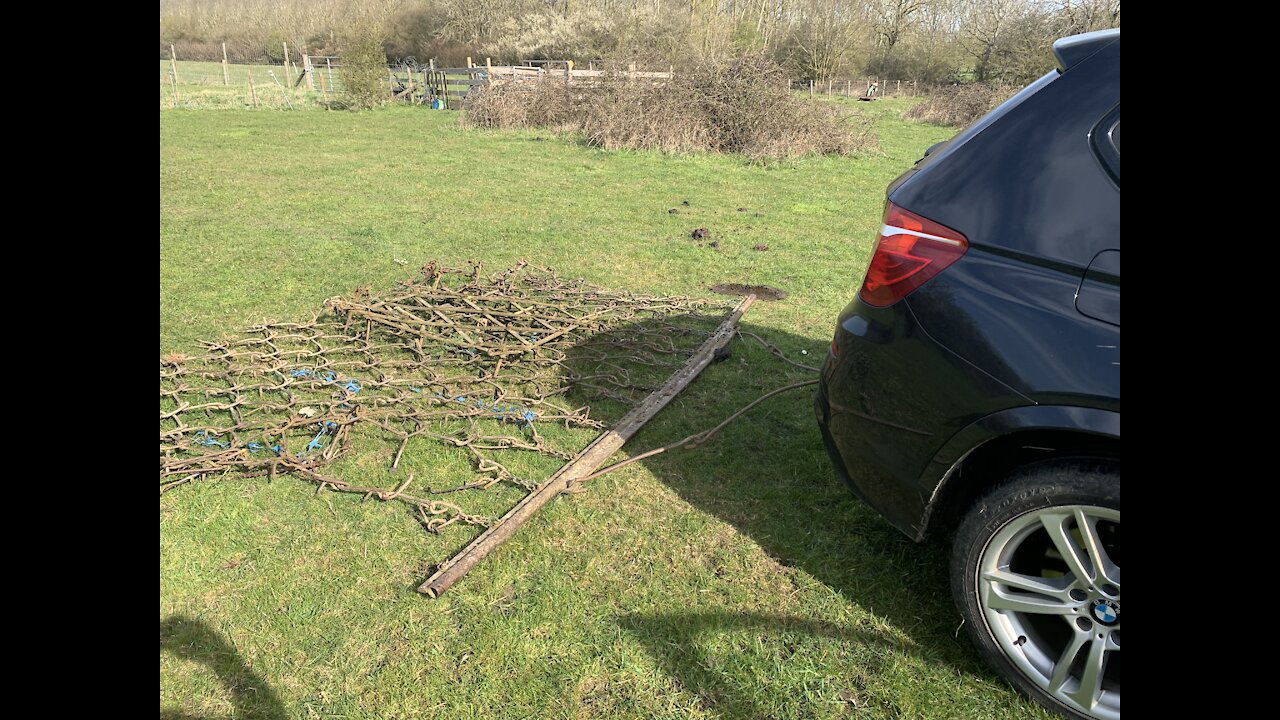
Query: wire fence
{"type": "Point", "coordinates": [316, 81]}
{"type": "Point", "coordinates": [194, 84]}
{"type": "Point", "coordinates": [862, 88]}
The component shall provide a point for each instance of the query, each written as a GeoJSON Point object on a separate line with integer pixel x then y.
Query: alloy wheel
{"type": "Point", "coordinates": [1049, 588]}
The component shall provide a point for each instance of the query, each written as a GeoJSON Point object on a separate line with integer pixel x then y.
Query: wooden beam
{"type": "Point", "coordinates": [586, 461]}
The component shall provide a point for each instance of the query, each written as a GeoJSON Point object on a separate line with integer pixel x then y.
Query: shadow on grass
{"type": "Point", "coordinates": [681, 645]}
{"type": "Point", "coordinates": [769, 477]}
{"type": "Point", "coordinates": [188, 638]}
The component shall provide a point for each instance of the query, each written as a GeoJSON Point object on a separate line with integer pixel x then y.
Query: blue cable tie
{"type": "Point", "coordinates": [315, 443]}
{"type": "Point", "coordinates": [203, 438]}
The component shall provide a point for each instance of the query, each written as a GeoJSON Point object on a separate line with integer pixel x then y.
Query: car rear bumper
{"type": "Point", "coordinates": [858, 454]}
{"type": "Point", "coordinates": [887, 403]}
{"type": "Point", "coordinates": [823, 410]}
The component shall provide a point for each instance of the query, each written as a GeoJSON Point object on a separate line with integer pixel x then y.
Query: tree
{"type": "Point", "coordinates": [822, 37]}
{"type": "Point", "coordinates": [1072, 17]}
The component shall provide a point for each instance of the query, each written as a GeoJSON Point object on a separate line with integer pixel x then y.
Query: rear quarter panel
{"type": "Point", "coordinates": [1037, 205]}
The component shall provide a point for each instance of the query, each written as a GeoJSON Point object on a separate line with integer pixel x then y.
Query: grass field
{"type": "Point", "coordinates": [735, 581]}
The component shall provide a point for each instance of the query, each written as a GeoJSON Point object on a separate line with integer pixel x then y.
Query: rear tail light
{"type": "Point", "coordinates": [912, 249]}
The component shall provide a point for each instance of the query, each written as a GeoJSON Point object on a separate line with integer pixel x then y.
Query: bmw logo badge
{"type": "Point", "coordinates": [1106, 611]}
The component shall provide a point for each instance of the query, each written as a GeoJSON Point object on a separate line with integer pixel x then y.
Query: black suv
{"type": "Point", "coordinates": [974, 384]}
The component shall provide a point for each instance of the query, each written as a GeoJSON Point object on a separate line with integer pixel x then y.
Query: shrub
{"type": "Point", "coordinates": [740, 106]}
{"type": "Point", "coordinates": [959, 105]}
{"type": "Point", "coordinates": [364, 68]}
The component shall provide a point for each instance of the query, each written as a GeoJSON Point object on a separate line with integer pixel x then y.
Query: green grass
{"type": "Point", "coordinates": [736, 581]}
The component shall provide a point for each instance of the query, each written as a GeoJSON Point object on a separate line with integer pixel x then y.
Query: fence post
{"type": "Point", "coordinates": [898, 88]}
{"type": "Point", "coordinates": [324, 89]}
{"type": "Point", "coordinates": [810, 89]}
{"type": "Point", "coordinates": [286, 58]}
{"type": "Point", "coordinates": [329, 64]}
{"type": "Point", "coordinates": [469, 65]}
{"type": "Point", "coordinates": [280, 85]}
{"type": "Point", "coordinates": [568, 73]}
{"type": "Point", "coordinates": [631, 72]}
{"type": "Point", "coordinates": [173, 63]}
{"type": "Point", "coordinates": [253, 93]}
{"type": "Point", "coordinates": [173, 85]}
{"type": "Point", "coordinates": [306, 68]}
{"type": "Point", "coordinates": [226, 72]}
{"type": "Point", "coordinates": [828, 88]}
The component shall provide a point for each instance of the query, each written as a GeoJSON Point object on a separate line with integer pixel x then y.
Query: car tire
{"type": "Point", "coordinates": [1040, 598]}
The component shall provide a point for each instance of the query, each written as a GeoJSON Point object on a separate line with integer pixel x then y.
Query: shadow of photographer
{"type": "Point", "coordinates": [192, 639]}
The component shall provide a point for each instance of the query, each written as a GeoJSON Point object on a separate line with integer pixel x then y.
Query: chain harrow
{"type": "Point", "coordinates": [454, 356]}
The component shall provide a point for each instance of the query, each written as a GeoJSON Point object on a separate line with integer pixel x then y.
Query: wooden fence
{"type": "Point", "coordinates": [857, 88]}
{"type": "Point", "coordinates": [307, 79]}
{"type": "Point", "coordinates": [453, 85]}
